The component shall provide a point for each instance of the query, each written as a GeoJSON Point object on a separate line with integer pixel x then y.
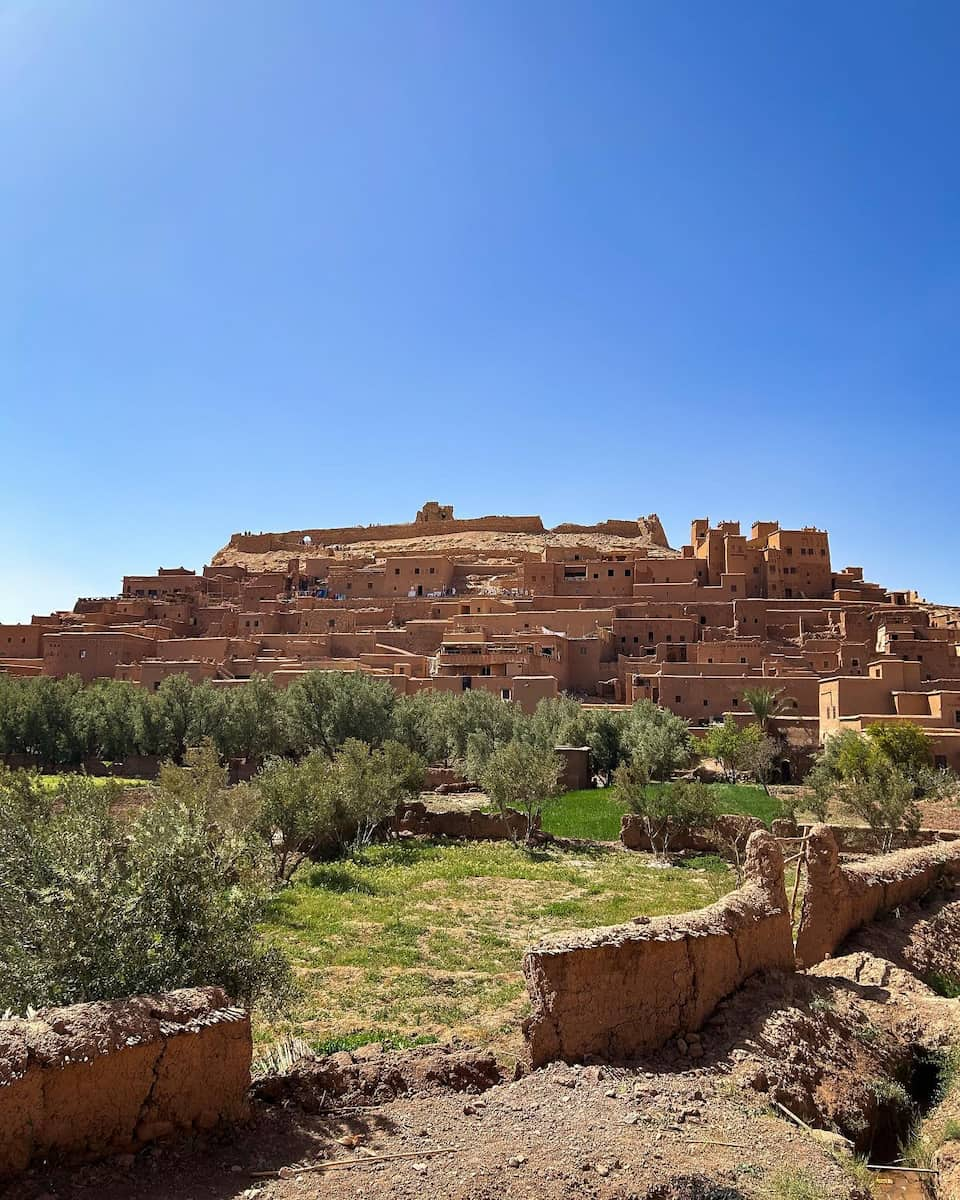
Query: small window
{"type": "Point", "coordinates": [416, 570]}
{"type": "Point", "coordinates": [610, 572]}
{"type": "Point", "coordinates": [583, 649]}
{"type": "Point", "coordinates": [706, 704]}
{"type": "Point", "coordinates": [735, 702]}
{"type": "Point", "coordinates": [627, 573]}
{"type": "Point", "coordinates": [678, 700]}
{"type": "Point", "coordinates": [396, 570]}
{"type": "Point", "coordinates": [504, 693]}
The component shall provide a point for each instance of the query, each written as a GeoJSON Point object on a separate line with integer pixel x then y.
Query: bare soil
{"type": "Point", "coordinates": [695, 1122]}
{"type": "Point", "coordinates": [488, 546]}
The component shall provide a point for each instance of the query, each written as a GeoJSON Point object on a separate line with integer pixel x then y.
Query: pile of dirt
{"type": "Point", "coordinates": [371, 1076]}
{"type": "Point", "coordinates": [922, 937]}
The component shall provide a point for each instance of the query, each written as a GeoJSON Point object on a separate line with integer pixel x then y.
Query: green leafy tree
{"type": "Point", "coordinates": [326, 708]}
{"type": "Point", "coordinates": [885, 799]}
{"type": "Point", "coordinates": [48, 729]}
{"type": "Point", "coordinates": [296, 810]}
{"type": "Point", "coordinates": [252, 725]}
{"type": "Point", "coordinates": [904, 745]}
{"type": "Point", "coordinates": [656, 740]}
{"type": "Point", "coordinates": [424, 722]}
{"type": "Point", "coordinates": [521, 776]}
{"type": "Point", "coordinates": [726, 743]}
{"type": "Point", "coordinates": [666, 809]}
{"type": "Point", "coordinates": [369, 783]}
{"type": "Point", "coordinates": [171, 717]}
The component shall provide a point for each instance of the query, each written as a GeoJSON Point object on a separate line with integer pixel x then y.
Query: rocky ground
{"type": "Point", "coordinates": [488, 546]}
{"type": "Point", "coordinates": [698, 1122]}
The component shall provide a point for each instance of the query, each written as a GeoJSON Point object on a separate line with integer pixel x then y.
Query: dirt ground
{"type": "Point", "coordinates": [696, 1122]}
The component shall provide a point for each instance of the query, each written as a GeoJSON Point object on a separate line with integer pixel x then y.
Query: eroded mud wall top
{"type": "Point", "coordinates": [841, 898]}
{"type": "Point", "coordinates": [624, 990]}
{"type": "Point", "coordinates": [93, 1079]}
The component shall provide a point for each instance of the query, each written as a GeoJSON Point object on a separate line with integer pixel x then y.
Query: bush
{"type": "Point", "coordinates": [96, 906]}
{"type": "Point", "coordinates": [668, 810]}
{"type": "Point", "coordinates": [522, 776]}
{"type": "Point", "coordinates": [656, 740]}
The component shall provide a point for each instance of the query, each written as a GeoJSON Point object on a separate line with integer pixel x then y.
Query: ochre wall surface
{"type": "Point", "coordinates": [107, 1077]}
{"type": "Point", "coordinates": [416, 818]}
{"type": "Point", "coordinates": [839, 899]}
{"type": "Point", "coordinates": [624, 990]}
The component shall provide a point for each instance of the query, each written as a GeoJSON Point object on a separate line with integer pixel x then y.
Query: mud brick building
{"type": "Point", "coordinates": [608, 613]}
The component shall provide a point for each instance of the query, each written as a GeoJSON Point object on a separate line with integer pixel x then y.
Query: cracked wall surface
{"type": "Point", "coordinates": [840, 898]}
{"type": "Point", "coordinates": [624, 990]}
{"type": "Point", "coordinates": [107, 1077]}
{"type": "Point", "coordinates": [414, 817]}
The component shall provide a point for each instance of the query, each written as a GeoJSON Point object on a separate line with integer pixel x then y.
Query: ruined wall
{"type": "Point", "coordinates": [103, 1078]}
{"type": "Point", "coordinates": [624, 990]}
{"type": "Point", "coordinates": [259, 543]}
{"type": "Point", "coordinates": [839, 899]}
{"type": "Point", "coordinates": [633, 833]}
{"type": "Point", "coordinates": [416, 818]}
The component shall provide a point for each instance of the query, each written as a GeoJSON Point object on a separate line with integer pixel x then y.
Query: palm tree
{"type": "Point", "coordinates": [765, 704]}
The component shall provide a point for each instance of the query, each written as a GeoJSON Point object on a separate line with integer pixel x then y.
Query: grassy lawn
{"type": "Point", "coordinates": [596, 813]}
{"type": "Point", "coordinates": [51, 782]}
{"type": "Point", "coordinates": [417, 939]}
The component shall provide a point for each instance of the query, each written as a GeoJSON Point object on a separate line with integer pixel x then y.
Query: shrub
{"type": "Point", "coordinates": [96, 906]}
{"type": "Point", "coordinates": [524, 777]}
{"type": "Point", "coordinates": [667, 810]}
{"type": "Point", "coordinates": [657, 740]}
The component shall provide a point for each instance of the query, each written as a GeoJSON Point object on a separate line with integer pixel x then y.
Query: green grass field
{"type": "Point", "coordinates": [426, 939]}
{"type": "Point", "coordinates": [596, 813]}
{"type": "Point", "coordinates": [51, 782]}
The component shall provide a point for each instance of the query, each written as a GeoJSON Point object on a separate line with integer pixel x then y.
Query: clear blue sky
{"type": "Point", "coordinates": [283, 264]}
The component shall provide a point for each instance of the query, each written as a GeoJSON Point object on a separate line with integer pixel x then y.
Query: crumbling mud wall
{"type": "Point", "coordinates": [633, 833]}
{"type": "Point", "coordinates": [416, 818]}
{"type": "Point", "coordinates": [107, 1077]}
{"type": "Point", "coordinates": [839, 899]}
{"type": "Point", "coordinates": [258, 543]}
{"type": "Point", "coordinates": [624, 990]}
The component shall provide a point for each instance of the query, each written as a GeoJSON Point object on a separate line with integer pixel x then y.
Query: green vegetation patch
{"type": "Point", "coordinates": [596, 813]}
{"type": "Point", "coordinates": [415, 938]}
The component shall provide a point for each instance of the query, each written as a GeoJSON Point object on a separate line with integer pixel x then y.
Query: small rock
{"type": "Point", "coordinates": [682, 1045]}
{"type": "Point", "coordinates": [236, 1169]}
{"type": "Point", "coordinates": [420, 1168]}
{"type": "Point", "coordinates": [611, 1093]}
{"type": "Point", "coordinates": [513, 1161]}
{"type": "Point", "coordinates": [631, 1118]}
{"type": "Point", "coordinates": [602, 1169]}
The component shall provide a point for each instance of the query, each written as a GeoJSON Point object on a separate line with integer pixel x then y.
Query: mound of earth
{"type": "Point", "coordinates": [466, 546]}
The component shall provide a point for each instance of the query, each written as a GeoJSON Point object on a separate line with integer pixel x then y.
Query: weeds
{"type": "Point", "coordinates": [793, 1185]}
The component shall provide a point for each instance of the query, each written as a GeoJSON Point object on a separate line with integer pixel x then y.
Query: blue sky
{"type": "Point", "coordinates": [283, 264]}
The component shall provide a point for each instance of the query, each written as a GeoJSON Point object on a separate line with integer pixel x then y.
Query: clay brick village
{"type": "Point", "coordinates": [479, 600]}
{"type": "Point", "coordinates": [482, 858]}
